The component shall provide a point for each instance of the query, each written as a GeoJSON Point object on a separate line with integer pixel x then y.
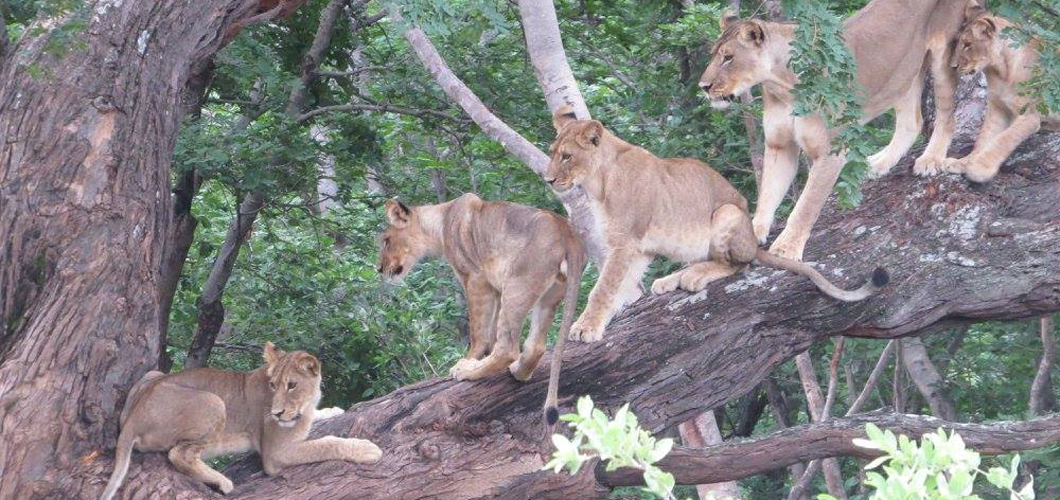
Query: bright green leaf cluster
{"type": "Point", "coordinates": [619, 441]}
{"type": "Point", "coordinates": [941, 467]}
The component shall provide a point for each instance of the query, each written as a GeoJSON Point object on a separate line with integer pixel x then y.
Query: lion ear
{"type": "Point", "coordinates": [974, 8]}
{"type": "Point", "coordinates": [590, 136]}
{"type": "Point", "coordinates": [271, 354]}
{"type": "Point", "coordinates": [752, 32]}
{"type": "Point", "coordinates": [310, 365]}
{"type": "Point", "coordinates": [728, 18]}
{"type": "Point", "coordinates": [985, 27]}
{"type": "Point", "coordinates": [397, 214]}
{"type": "Point", "coordinates": [563, 116]}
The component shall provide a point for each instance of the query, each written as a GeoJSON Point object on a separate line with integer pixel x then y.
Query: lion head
{"type": "Point", "coordinates": [294, 384]}
{"type": "Point", "coordinates": [978, 42]}
{"type": "Point", "coordinates": [739, 60]}
{"type": "Point", "coordinates": [575, 154]}
{"type": "Point", "coordinates": [402, 244]}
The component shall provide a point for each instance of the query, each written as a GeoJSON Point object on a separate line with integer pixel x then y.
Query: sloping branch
{"type": "Point", "coordinates": [743, 458]}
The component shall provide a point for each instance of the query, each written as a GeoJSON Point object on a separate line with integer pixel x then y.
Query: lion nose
{"type": "Point", "coordinates": [705, 86]}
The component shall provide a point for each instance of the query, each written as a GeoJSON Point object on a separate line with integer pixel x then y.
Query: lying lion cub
{"type": "Point", "coordinates": [679, 208]}
{"type": "Point", "coordinates": [201, 413]}
{"type": "Point", "coordinates": [1011, 117]}
{"type": "Point", "coordinates": [511, 260]}
{"type": "Point", "coordinates": [893, 41]}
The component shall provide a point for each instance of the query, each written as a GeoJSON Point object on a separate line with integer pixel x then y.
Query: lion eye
{"type": "Point", "coordinates": [565, 156]}
{"type": "Point", "coordinates": [272, 385]}
{"type": "Point", "coordinates": [727, 58]}
{"type": "Point", "coordinates": [291, 385]}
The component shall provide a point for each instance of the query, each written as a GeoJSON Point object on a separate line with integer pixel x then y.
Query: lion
{"type": "Point", "coordinates": [201, 413]}
{"type": "Point", "coordinates": [892, 42]}
{"type": "Point", "coordinates": [679, 208]}
{"type": "Point", "coordinates": [512, 260]}
{"type": "Point", "coordinates": [1011, 116]}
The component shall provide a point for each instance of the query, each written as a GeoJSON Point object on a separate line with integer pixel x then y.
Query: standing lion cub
{"type": "Point", "coordinates": [512, 260]}
{"type": "Point", "coordinates": [1011, 116]}
{"type": "Point", "coordinates": [202, 413]}
{"type": "Point", "coordinates": [679, 208]}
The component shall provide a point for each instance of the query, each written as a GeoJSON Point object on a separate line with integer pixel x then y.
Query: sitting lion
{"type": "Point", "coordinates": [892, 41]}
{"type": "Point", "coordinates": [201, 413]}
{"type": "Point", "coordinates": [679, 208]}
{"type": "Point", "coordinates": [1011, 117]}
{"type": "Point", "coordinates": [512, 260]}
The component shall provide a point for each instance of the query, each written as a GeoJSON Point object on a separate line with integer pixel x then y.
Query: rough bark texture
{"type": "Point", "coordinates": [743, 458]}
{"type": "Point", "coordinates": [84, 212]}
{"type": "Point", "coordinates": [957, 253]}
{"type": "Point", "coordinates": [574, 200]}
{"type": "Point", "coordinates": [545, 45]}
{"type": "Point", "coordinates": [927, 379]}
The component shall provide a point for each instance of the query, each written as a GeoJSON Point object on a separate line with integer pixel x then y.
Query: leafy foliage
{"type": "Point", "coordinates": [939, 468]}
{"type": "Point", "coordinates": [619, 441]}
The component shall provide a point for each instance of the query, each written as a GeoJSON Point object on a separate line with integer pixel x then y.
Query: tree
{"type": "Point", "coordinates": [85, 215]}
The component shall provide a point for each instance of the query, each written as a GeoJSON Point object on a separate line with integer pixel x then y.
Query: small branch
{"type": "Point", "coordinates": [350, 74]}
{"type": "Point", "coordinates": [1042, 399]}
{"type": "Point", "coordinates": [874, 377]}
{"type": "Point", "coordinates": [381, 108]}
{"type": "Point", "coordinates": [738, 459]}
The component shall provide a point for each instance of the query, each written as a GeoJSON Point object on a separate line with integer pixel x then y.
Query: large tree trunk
{"type": "Point", "coordinates": [84, 212]}
{"type": "Point", "coordinates": [957, 253]}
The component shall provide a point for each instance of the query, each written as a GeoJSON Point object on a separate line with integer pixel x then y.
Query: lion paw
{"type": "Point", "coordinates": [787, 249]}
{"type": "Point", "coordinates": [363, 451]}
{"type": "Point", "coordinates": [464, 369]}
{"type": "Point", "coordinates": [666, 284]}
{"type": "Point", "coordinates": [761, 230]}
{"type": "Point", "coordinates": [694, 282]}
{"type": "Point", "coordinates": [225, 486]}
{"type": "Point", "coordinates": [928, 165]}
{"type": "Point", "coordinates": [323, 413]}
{"type": "Point", "coordinates": [586, 331]}
{"type": "Point", "coordinates": [520, 373]}
{"type": "Point", "coordinates": [879, 165]}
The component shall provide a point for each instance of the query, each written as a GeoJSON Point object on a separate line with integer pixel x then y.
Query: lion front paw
{"type": "Point", "coordinates": [784, 247]}
{"type": "Point", "coordinates": [666, 284]}
{"type": "Point", "coordinates": [464, 368]}
{"type": "Point", "coordinates": [587, 330]}
{"type": "Point", "coordinates": [362, 451]}
{"type": "Point", "coordinates": [954, 165]}
{"type": "Point", "coordinates": [928, 165]}
{"type": "Point", "coordinates": [225, 486]}
{"type": "Point", "coordinates": [879, 165]}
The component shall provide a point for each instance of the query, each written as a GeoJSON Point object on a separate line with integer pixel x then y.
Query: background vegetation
{"type": "Point", "coordinates": [306, 277]}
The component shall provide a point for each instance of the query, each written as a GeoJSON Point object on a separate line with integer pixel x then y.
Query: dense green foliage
{"type": "Point", "coordinates": [307, 279]}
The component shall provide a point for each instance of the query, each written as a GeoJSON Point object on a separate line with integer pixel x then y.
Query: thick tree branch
{"type": "Point", "coordinates": [738, 459]}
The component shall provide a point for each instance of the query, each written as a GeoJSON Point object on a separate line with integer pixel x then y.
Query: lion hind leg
{"type": "Point", "coordinates": [701, 274]}
{"type": "Point", "coordinates": [907, 122]}
{"type": "Point", "coordinates": [187, 458]}
{"type": "Point", "coordinates": [540, 320]}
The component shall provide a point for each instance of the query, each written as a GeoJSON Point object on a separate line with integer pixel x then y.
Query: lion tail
{"type": "Point", "coordinates": [122, 455]}
{"type": "Point", "coordinates": [576, 261]}
{"type": "Point", "coordinates": [879, 279]}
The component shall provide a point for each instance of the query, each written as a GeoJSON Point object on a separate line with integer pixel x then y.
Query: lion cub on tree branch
{"type": "Point", "coordinates": [202, 413]}
{"type": "Point", "coordinates": [1011, 117]}
{"type": "Point", "coordinates": [679, 208]}
{"type": "Point", "coordinates": [512, 260]}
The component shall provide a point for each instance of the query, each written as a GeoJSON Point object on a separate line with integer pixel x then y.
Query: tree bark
{"type": "Point", "coordinates": [84, 212]}
{"type": "Point", "coordinates": [545, 46]}
{"type": "Point", "coordinates": [927, 379]}
{"type": "Point", "coordinates": [833, 477]}
{"type": "Point", "coordinates": [1042, 399]}
{"type": "Point", "coordinates": [967, 253]}
{"type": "Point", "coordinates": [701, 432]}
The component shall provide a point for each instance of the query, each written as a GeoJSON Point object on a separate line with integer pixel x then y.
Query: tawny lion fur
{"type": "Point", "coordinates": [1010, 116]}
{"type": "Point", "coordinates": [512, 260]}
{"type": "Point", "coordinates": [678, 208]}
{"type": "Point", "coordinates": [202, 413]}
{"type": "Point", "coordinates": [893, 42]}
